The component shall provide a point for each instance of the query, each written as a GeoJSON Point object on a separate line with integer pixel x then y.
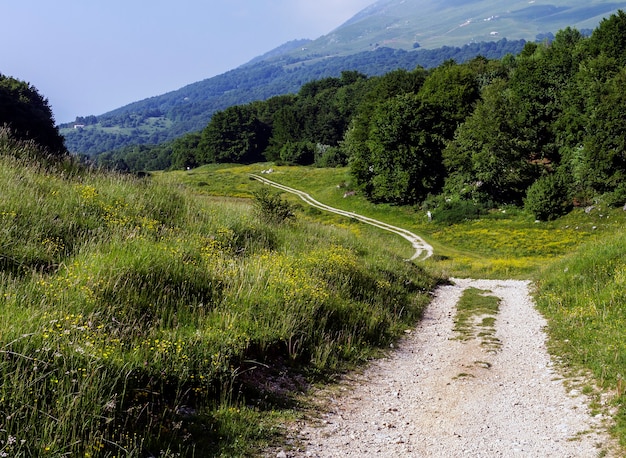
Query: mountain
{"type": "Point", "coordinates": [433, 23]}
{"type": "Point", "coordinates": [387, 35]}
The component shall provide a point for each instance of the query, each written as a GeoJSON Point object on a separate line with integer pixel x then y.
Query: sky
{"type": "Point", "coordinates": [88, 57]}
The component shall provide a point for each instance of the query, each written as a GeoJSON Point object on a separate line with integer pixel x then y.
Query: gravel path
{"type": "Point", "coordinates": [422, 249]}
{"type": "Point", "coordinates": [436, 396]}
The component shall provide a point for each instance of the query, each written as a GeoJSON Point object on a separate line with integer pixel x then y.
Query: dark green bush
{"type": "Point", "coordinates": [456, 211]}
{"type": "Point", "coordinates": [548, 197]}
{"type": "Point", "coordinates": [271, 208]}
{"type": "Point", "coordinates": [298, 153]}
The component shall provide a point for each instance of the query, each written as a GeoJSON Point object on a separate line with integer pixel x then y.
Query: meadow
{"type": "Point", "coordinates": [166, 316]}
{"type": "Point", "coordinates": [576, 262]}
{"type": "Point", "coordinates": [140, 318]}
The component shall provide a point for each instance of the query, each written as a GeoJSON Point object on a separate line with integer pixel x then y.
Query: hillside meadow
{"type": "Point", "coordinates": [165, 316]}
{"type": "Point", "coordinates": [139, 318]}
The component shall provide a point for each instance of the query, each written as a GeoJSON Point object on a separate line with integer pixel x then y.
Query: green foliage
{"type": "Point", "coordinates": [29, 117]}
{"type": "Point", "coordinates": [396, 153]}
{"type": "Point", "coordinates": [487, 159]}
{"type": "Point", "coordinates": [456, 211]}
{"type": "Point", "coordinates": [270, 207]}
{"type": "Point", "coordinates": [234, 135]}
{"type": "Point", "coordinates": [330, 156]}
{"type": "Point", "coordinates": [548, 198]}
{"type": "Point", "coordinates": [298, 153]}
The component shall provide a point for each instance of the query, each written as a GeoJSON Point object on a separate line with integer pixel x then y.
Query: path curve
{"type": "Point", "coordinates": [436, 396]}
{"type": "Point", "coordinates": [422, 249]}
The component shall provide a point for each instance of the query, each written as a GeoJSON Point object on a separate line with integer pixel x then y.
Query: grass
{"type": "Point", "coordinates": [583, 296]}
{"type": "Point", "coordinates": [140, 317]}
{"type": "Point", "coordinates": [576, 263]}
{"type": "Point", "coordinates": [475, 318]}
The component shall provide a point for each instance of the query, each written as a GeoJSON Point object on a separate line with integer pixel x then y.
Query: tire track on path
{"type": "Point", "coordinates": [422, 249]}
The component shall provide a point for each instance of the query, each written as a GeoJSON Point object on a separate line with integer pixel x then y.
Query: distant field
{"type": "Point", "coordinates": [504, 244]}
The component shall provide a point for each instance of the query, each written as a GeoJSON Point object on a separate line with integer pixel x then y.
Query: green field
{"type": "Point", "coordinates": [168, 316]}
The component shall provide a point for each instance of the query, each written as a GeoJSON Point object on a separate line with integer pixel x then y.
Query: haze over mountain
{"type": "Point", "coordinates": [387, 35]}
{"type": "Point", "coordinates": [435, 23]}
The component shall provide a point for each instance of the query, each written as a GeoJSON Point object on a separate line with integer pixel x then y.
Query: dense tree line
{"type": "Point", "coordinates": [190, 108]}
{"type": "Point", "coordinates": [544, 128]}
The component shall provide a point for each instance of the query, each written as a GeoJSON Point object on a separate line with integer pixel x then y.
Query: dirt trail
{"type": "Point", "coordinates": [422, 249]}
{"type": "Point", "coordinates": [437, 396]}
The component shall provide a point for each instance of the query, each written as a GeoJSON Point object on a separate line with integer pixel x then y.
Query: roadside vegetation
{"type": "Point", "coordinates": [139, 318]}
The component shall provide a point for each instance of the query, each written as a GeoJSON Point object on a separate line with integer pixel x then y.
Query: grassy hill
{"type": "Point", "coordinates": [432, 24]}
{"type": "Point", "coordinates": [140, 317]}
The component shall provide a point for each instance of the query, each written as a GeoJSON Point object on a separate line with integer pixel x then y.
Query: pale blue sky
{"type": "Point", "coordinates": [92, 56]}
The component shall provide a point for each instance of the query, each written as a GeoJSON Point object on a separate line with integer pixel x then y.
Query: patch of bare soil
{"type": "Point", "coordinates": [440, 396]}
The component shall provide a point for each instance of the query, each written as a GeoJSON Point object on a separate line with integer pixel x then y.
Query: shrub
{"type": "Point", "coordinates": [457, 210]}
{"type": "Point", "coordinates": [271, 208]}
{"type": "Point", "coordinates": [330, 156]}
{"type": "Point", "coordinates": [298, 153]}
{"type": "Point", "coordinates": [548, 198]}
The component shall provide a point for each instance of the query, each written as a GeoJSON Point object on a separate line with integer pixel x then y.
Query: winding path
{"type": "Point", "coordinates": [437, 396]}
{"type": "Point", "coordinates": [422, 249]}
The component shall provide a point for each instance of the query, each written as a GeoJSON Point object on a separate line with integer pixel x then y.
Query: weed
{"type": "Point", "coordinates": [475, 317]}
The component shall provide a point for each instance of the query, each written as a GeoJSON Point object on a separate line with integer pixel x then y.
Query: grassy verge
{"type": "Point", "coordinates": [139, 318]}
{"type": "Point", "coordinates": [584, 298]}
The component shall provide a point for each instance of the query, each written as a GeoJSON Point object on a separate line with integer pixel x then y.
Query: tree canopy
{"type": "Point", "coordinates": [29, 117]}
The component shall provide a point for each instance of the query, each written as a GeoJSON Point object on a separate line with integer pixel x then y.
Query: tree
{"type": "Point", "coordinates": [29, 116]}
{"type": "Point", "coordinates": [604, 148]}
{"type": "Point", "coordinates": [404, 153]}
{"type": "Point", "coordinates": [488, 159]}
{"type": "Point", "coordinates": [234, 135]}
{"type": "Point", "coordinates": [185, 151]}
{"type": "Point", "coordinates": [609, 39]}
{"type": "Point", "coordinates": [548, 197]}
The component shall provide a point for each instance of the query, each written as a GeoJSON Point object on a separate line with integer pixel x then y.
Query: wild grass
{"type": "Point", "coordinates": [139, 317]}
{"type": "Point", "coordinates": [584, 298]}
{"type": "Point", "coordinates": [577, 262]}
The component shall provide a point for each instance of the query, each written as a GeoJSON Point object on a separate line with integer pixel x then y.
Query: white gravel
{"type": "Point", "coordinates": [437, 396]}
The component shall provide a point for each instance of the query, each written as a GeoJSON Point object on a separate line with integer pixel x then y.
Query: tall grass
{"type": "Point", "coordinates": [584, 298]}
{"type": "Point", "coordinates": [138, 318]}
{"type": "Point", "coordinates": [577, 262]}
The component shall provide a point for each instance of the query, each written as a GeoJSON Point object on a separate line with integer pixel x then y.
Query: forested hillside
{"type": "Point", "coordinates": [169, 116]}
{"type": "Point", "coordinates": [544, 128]}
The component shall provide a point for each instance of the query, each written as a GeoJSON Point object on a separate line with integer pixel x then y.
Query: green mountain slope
{"type": "Point", "coordinates": [431, 24]}
{"type": "Point", "coordinates": [159, 119]}
{"type": "Point", "coordinates": [381, 38]}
